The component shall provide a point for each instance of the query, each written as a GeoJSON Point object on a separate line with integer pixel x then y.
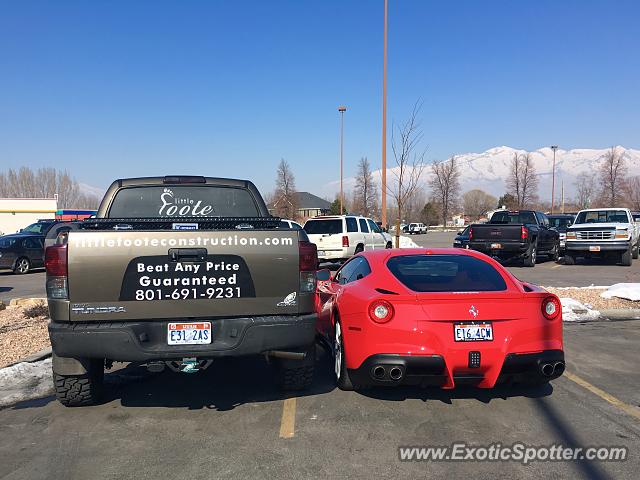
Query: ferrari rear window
{"type": "Point", "coordinates": [446, 273]}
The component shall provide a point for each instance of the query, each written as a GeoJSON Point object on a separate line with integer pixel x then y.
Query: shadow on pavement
{"type": "Point", "coordinates": [483, 395]}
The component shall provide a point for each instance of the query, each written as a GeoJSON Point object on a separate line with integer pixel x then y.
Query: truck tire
{"type": "Point", "coordinates": [555, 253]}
{"type": "Point", "coordinates": [80, 390]}
{"type": "Point", "coordinates": [634, 252]}
{"type": "Point", "coordinates": [569, 259]}
{"type": "Point", "coordinates": [532, 255]}
{"type": "Point", "coordinates": [626, 258]}
{"type": "Point", "coordinates": [294, 375]}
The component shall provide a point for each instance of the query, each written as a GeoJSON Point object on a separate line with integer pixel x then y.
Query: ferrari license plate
{"type": "Point", "coordinates": [197, 333]}
{"type": "Point", "coordinates": [594, 248]}
{"type": "Point", "coordinates": [473, 332]}
{"type": "Point", "coordinates": [496, 246]}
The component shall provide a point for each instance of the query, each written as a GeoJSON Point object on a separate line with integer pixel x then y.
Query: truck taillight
{"type": "Point", "coordinates": [524, 233]}
{"type": "Point", "coordinates": [308, 254]}
{"type": "Point", "coordinates": [345, 241]}
{"type": "Point", "coordinates": [56, 263]}
{"type": "Point", "coordinates": [470, 233]}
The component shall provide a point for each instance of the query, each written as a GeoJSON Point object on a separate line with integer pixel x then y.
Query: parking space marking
{"type": "Point", "coordinates": [288, 422]}
{"type": "Point", "coordinates": [629, 409]}
{"type": "Point", "coordinates": [557, 266]}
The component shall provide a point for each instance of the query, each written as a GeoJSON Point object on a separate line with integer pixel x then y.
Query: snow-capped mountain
{"type": "Point", "coordinates": [488, 170]}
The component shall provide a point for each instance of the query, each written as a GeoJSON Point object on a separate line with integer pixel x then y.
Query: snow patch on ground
{"type": "Point", "coordinates": [574, 311]}
{"type": "Point", "coordinates": [628, 291]}
{"type": "Point", "coordinates": [25, 381]}
{"type": "Point", "coordinates": [406, 242]}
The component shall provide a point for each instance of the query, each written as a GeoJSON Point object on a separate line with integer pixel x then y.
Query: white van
{"type": "Point", "coordinates": [341, 236]}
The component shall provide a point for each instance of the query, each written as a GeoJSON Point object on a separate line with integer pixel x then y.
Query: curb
{"type": "Point", "coordinates": [621, 314]}
{"type": "Point", "coordinates": [26, 300]}
{"type": "Point", "coordinates": [36, 357]}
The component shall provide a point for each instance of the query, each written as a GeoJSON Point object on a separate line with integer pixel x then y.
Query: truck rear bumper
{"type": "Point", "coordinates": [506, 250]}
{"type": "Point", "coordinates": [146, 341]}
{"type": "Point", "coordinates": [579, 246]}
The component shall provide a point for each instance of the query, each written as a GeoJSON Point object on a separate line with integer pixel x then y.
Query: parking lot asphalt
{"type": "Point", "coordinates": [230, 422]}
{"type": "Point", "coordinates": [19, 286]}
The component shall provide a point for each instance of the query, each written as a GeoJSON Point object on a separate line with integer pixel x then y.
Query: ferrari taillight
{"type": "Point", "coordinates": [381, 311]}
{"type": "Point", "coordinates": [551, 308]}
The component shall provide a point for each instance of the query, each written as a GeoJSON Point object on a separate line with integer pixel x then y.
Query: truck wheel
{"type": "Point", "coordinates": [530, 259]}
{"type": "Point", "coordinates": [625, 258]}
{"type": "Point", "coordinates": [359, 248]}
{"type": "Point", "coordinates": [22, 266]}
{"type": "Point", "coordinates": [342, 374]}
{"type": "Point", "coordinates": [569, 259]}
{"type": "Point", "coordinates": [296, 374]}
{"type": "Point", "coordinates": [80, 390]}
{"type": "Point", "coordinates": [555, 253]}
{"type": "Point", "coordinates": [634, 252]}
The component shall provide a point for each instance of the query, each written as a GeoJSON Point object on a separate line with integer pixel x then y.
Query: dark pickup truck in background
{"type": "Point", "coordinates": [523, 234]}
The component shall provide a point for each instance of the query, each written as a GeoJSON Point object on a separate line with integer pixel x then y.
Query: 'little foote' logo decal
{"type": "Point", "coordinates": [173, 205]}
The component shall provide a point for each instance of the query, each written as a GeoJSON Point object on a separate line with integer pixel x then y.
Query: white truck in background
{"type": "Point", "coordinates": [603, 233]}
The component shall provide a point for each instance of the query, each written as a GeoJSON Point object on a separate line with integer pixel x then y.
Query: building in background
{"type": "Point", "coordinates": [17, 213]}
{"type": "Point", "coordinates": [69, 215]}
{"type": "Point", "coordinates": [308, 206]}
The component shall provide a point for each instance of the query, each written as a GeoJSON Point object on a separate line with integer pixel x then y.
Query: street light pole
{"type": "Point", "coordinates": [553, 176]}
{"type": "Point", "coordinates": [341, 109]}
{"type": "Point", "coordinates": [384, 122]}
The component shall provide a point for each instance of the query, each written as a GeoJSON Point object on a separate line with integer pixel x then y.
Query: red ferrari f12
{"type": "Point", "coordinates": [437, 317]}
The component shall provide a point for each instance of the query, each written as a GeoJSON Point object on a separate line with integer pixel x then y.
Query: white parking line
{"type": "Point", "coordinates": [288, 421]}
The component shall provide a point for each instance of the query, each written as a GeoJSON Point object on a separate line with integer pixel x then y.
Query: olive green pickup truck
{"type": "Point", "coordinates": [175, 272]}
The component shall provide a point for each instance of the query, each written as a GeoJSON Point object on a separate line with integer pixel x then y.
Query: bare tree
{"type": "Point", "coordinates": [522, 182]}
{"type": "Point", "coordinates": [46, 183]}
{"type": "Point", "coordinates": [613, 173]}
{"type": "Point", "coordinates": [285, 204]}
{"type": "Point", "coordinates": [585, 190]}
{"type": "Point", "coordinates": [477, 202]}
{"type": "Point", "coordinates": [445, 185]}
{"type": "Point", "coordinates": [633, 193]}
{"type": "Point", "coordinates": [405, 140]}
{"type": "Point", "coordinates": [365, 195]}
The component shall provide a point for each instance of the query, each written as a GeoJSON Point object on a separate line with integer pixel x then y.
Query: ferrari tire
{"type": "Point", "coordinates": [340, 370]}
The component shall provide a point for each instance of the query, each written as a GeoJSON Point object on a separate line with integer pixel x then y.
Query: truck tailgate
{"type": "Point", "coordinates": [497, 233]}
{"type": "Point", "coordinates": [127, 275]}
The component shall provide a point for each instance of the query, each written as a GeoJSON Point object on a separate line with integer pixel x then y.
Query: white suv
{"type": "Point", "coordinates": [416, 228]}
{"type": "Point", "coordinates": [341, 236]}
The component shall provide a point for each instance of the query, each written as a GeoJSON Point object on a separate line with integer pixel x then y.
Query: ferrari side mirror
{"type": "Point", "coordinates": [323, 275]}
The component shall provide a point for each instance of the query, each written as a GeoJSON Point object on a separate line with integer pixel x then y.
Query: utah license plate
{"type": "Point", "coordinates": [198, 333]}
{"type": "Point", "coordinates": [594, 248]}
{"type": "Point", "coordinates": [322, 253]}
{"type": "Point", "coordinates": [473, 332]}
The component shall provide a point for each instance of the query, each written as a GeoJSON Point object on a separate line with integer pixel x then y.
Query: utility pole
{"type": "Point", "coordinates": [384, 122]}
{"type": "Point", "coordinates": [341, 109]}
{"type": "Point", "coordinates": [553, 177]}
{"type": "Point", "coordinates": [562, 195]}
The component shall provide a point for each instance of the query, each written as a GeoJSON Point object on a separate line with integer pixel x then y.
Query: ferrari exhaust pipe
{"type": "Point", "coordinates": [395, 373]}
{"type": "Point", "coordinates": [378, 372]}
{"type": "Point", "coordinates": [547, 369]}
{"type": "Point", "coordinates": [558, 368]}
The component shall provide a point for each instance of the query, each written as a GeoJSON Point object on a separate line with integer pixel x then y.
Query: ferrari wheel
{"type": "Point", "coordinates": [342, 375]}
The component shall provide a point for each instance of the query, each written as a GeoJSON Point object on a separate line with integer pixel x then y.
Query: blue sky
{"type": "Point", "coordinates": [117, 88]}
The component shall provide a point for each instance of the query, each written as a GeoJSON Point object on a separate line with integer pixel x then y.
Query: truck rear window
{"type": "Point", "coordinates": [603, 216]}
{"type": "Point", "coordinates": [329, 226]}
{"type": "Point", "coordinates": [513, 217]}
{"type": "Point", "coordinates": [183, 201]}
{"type": "Point", "coordinates": [445, 273]}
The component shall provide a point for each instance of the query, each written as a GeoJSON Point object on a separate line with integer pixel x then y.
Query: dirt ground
{"type": "Point", "coordinates": [21, 336]}
{"type": "Point", "coordinates": [591, 297]}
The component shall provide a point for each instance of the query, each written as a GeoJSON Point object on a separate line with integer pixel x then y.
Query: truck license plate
{"type": "Point", "coordinates": [198, 333]}
{"type": "Point", "coordinates": [594, 248]}
{"type": "Point", "coordinates": [473, 332]}
{"type": "Point", "coordinates": [496, 246]}
{"type": "Point", "coordinates": [322, 253]}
